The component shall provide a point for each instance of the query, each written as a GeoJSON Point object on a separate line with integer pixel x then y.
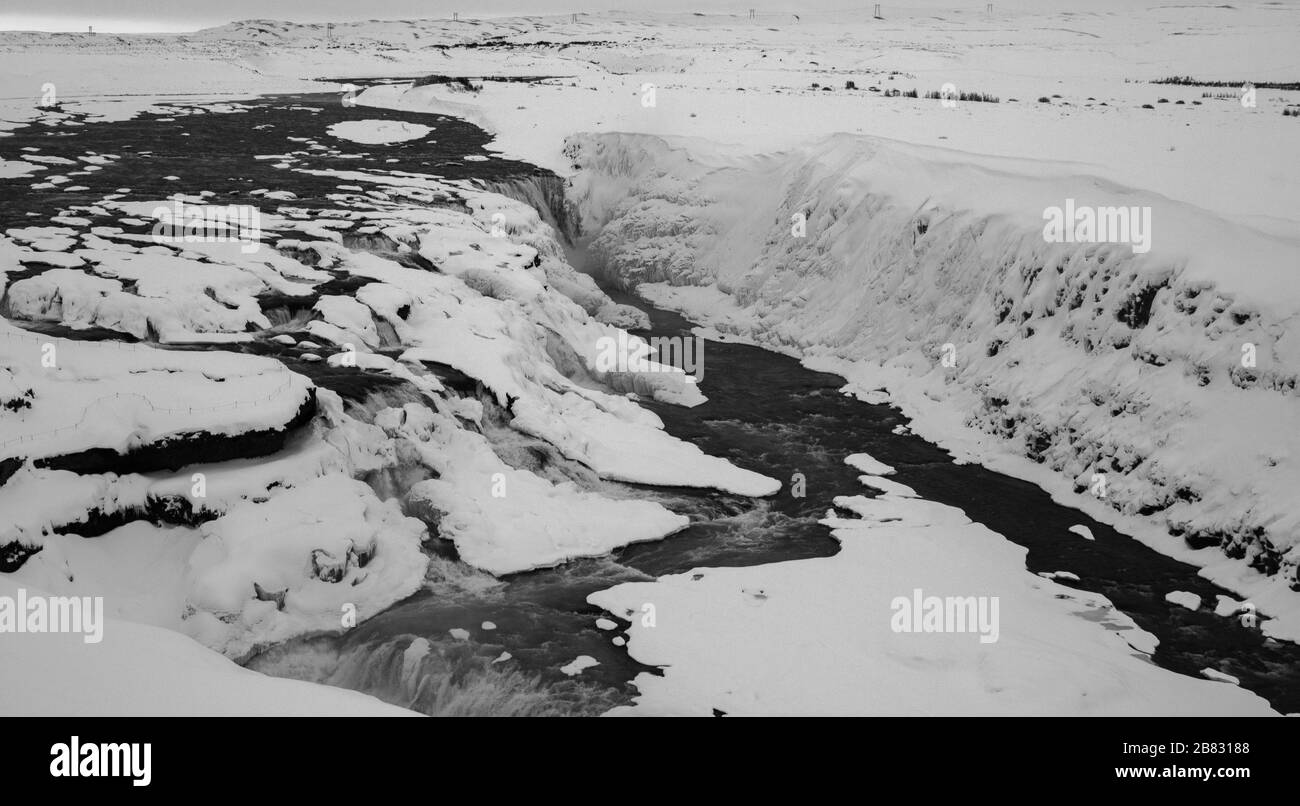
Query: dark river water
{"type": "Point", "coordinates": [765, 413]}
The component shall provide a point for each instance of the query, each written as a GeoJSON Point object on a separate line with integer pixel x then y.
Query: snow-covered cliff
{"type": "Point", "coordinates": [1162, 383]}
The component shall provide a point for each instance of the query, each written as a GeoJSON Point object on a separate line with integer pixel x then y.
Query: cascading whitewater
{"type": "Point", "coordinates": [545, 193]}
{"type": "Point", "coordinates": [437, 679]}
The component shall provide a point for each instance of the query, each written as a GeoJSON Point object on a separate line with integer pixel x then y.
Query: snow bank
{"type": "Point", "coordinates": [300, 563]}
{"type": "Point", "coordinates": [818, 637]}
{"type": "Point", "coordinates": [239, 554]}
{"type": "Point", "coordinates": [64, 395]}
{"type": "Point", "coordinates": [138, 568]}
{"type": "Point", "coordinates": [505, 520]}
{"type": "Point", "coordinates": [143, 670]}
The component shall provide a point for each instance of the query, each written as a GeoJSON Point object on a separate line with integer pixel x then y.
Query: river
{"type": "Point", "coordinates": [765, 412]}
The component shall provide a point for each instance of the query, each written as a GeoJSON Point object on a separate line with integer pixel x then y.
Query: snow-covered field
{"type": "Point", "coordinates": [761, 175]}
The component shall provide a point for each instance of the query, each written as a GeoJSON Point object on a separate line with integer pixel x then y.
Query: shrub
{"type": "Point", "coordinates": [1263, 85]}
{"type": "Point", "coordinates": [23, 401]}
{"type": "Point", "coordinates": [965, 96]}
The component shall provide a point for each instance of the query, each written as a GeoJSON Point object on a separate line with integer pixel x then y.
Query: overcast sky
{"type": "Point", "coordinates": [190, 15]}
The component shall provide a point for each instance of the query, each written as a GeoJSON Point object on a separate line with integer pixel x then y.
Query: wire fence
{"type": "Point", "coordinates": [98, 403]}
{"type": "Point", "coordinates": [106, 343]}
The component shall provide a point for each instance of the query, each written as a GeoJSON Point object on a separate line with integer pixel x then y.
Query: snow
{"type": "Point", "coordinates": [379, 132]}
{"type": "Point", "coordinates": [150, 289]}
{"type": "Point", "coordinates": [923, 225]}
{"type": "Point", "coordinates": [14, 168]}
{"type": "Point", "coordinates": [34, 502]}
{"type": "Point", "coordinates": [169, 296]}
{"type": "Point", "coordinates": [688, 203]}
{"type": "Point", "coordinates": [144, 670]}
{"type": "Point", "coordinates": [889, 281]}
{"type": "Point", "coordinates": [111, 566]}
{"type": "Point", "coordinates": [868, 464]}
{"type": "Point", "coordinates": [888, 486]}
{"type": "Point", "coordinates": [88, 398]}
{"type": "Point", "coordinates": [1068, 576]}
{"type": "Point", "coordinates": [261, 568]}
{"type": "Point", "coordinates": [1221, 677]}
{"type": "Point", "coordinates": [505, 520]}
{"type": "Point", "coordinates": [1082, 531]}
{"type": "Point", "coordinates": [759, 640]}
{"type": "Point", "coordinates": [1227, 606]}
{"type": "Point", "coordinates": [350, 315]}
{"type": "Point", "coordinates": [754, 95]}
{"type": "Point", "coordinates": [321, 546]}
{"type": "Point", "coordinates": [578, 664]}
{"type": "Point", "coordinates": [490, 315]}
{"type": "Point", "coordinates": [1184, 599]}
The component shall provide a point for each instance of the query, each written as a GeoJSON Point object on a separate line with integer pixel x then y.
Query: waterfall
{"type": "Point", "coordinates": [545, 193]}
{"type": "Point", "coordinates": [437, 678]}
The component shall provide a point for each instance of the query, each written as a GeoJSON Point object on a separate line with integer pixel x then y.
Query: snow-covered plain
{"type": "Point", "coordinates": [922, 230]}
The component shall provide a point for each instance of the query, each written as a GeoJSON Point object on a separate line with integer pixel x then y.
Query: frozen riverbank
{"type": "Point", "coordinates": [927, 276]}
